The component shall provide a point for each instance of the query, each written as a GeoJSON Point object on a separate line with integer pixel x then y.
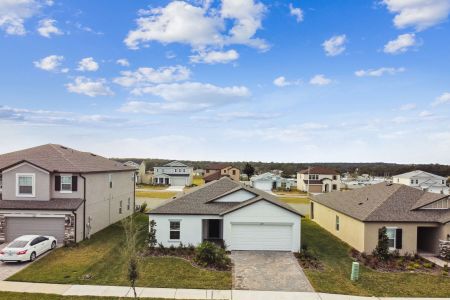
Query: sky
{"type": "Point", "coordinates": [229, 80]}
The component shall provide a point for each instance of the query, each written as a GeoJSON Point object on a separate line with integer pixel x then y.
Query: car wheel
{"type": "Point", "coordinates": [33, 256]}
{"type": "Point", "coordinates": [53, 245]}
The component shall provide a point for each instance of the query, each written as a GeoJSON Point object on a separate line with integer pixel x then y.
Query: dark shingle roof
{"type": "Point", "coordinates": [385, 203]}
{"type": "Point", "coordinates": [319, 170]}
{"type": "Point", "coordinates": [199, 200]}
{"type": "Point", "coordinates": [53, 204]}
{"type": "Point", "coordinates": [57, 158]}
{"type": "Point", "coordinates": [218, 166]}
{"type": "Point", "coordinates": [212, 177]}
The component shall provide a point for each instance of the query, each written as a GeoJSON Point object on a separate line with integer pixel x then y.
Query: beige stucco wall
{"type": "Point", "coordinates": [42, 183]}
{"type": "Point", "coordinates": [229, 172]}
{"type": "Point", "coordinates": [302, 186]}
{"type": "Point", "coordinates": [409, 241]}
{"type": "Point", "coordinates": [102, 202]}
{"type": "Point", "coordinates": [350, 231]}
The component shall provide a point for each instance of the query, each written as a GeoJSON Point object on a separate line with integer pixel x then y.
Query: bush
{"type": "Point", "coordinates": [381, 251]}
{"type": "Point", "coordinates": [208, 254]}
{"type": "Point", "coordinates": [143, 207]}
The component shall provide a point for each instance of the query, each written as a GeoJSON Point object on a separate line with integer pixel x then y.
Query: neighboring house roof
{"type": "Point", "coordinates": [418, 173]}
{"type": "Point", "coordinates": [57, 158]}
{"type": "Point", "coordinates": [384, 202]}
{"type": "Point", "coordinates": [218, 166]}
{"type": "Point", "coordinates": [265, 176]}
{"type": "Point", "coordinates": [131, 164]}
{"type": "Point", "coordinates": [319, 170]}
{"type": "Point", "coordinates": [200, 200]}
{"type": "Point", "coordinates": [214, 176]}
{"type": "Point", "coordinates": [175, 164]}
{"type": "Point", "coordinates": [53, 204]}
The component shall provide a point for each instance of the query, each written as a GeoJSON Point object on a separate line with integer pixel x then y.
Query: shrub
{"type": "Point", "coordinates": [143, 207]}
{"type": "Point", "coordinates": [208, 254]}
{"type": "Point", "coordinates": [151, 240]}
{"type": "Point", "coordinates": [428, 265]}
{"type": "Point", "coordinates": [382, 249]}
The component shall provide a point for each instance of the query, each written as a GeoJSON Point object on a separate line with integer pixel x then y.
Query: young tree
{"type": "Point", "coordinates": [131, 252]}
{"type": "Point", "coordinates": [152, 241]}
{"type": "Point", "coordinates": [382, 248]}
{"type": "Point", "coordinates": [249, 170]}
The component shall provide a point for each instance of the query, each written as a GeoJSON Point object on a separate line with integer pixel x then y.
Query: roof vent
{"type": "Point", "coordinates": [93, 154]}
{"type": "Point", "coordinates": [64, 147]}
{"type": "Point", "coordinates": [360, 203]}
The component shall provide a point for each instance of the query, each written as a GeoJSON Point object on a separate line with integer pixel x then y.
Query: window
{"type": "Point", "coordinates": [129, 203]}
{"type": "Point", "coordinates": [391, 234]}
{"type": "Point", "coordinates": [443, 181]}
{"type": "Point", "coordinates": [120, 207]}
{"type": "Point", "coordinates": [174, 230]}
{"type": "Point", "coordinates": [25, 185]}
{"type": "Point", "coordinates": [417, 181]}
{"type": "Point", "coordinates": [412, 181]}
{"type": "Point", "coordinates": [234, 172]}
{"type": "Point", "coordinates": [337, 223]}
{"type": "Point", "coordinates": [66, 183]}
{"type": "Point", "coordinates": [110, 180]}
{"type": "Point", "coordinates": [334, 187]}
{"type": "Point", "coordinates": [334, 177]}
{"type": "Point", "coordinates": [313, 177]}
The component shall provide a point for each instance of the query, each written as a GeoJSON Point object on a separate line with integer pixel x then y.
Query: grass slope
{"type": "Point", "coordinates": [155, 194]}
{"type": "Point", "coordinates": [101, 258]}
{"type": "Point", "coordinates": [32, 296]}
{"type": "Point", "coordinates": [336, 277]}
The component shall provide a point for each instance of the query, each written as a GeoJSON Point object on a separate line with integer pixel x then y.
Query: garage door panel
{"type": "Point", "coordinates": [16, 226]}
{"type": "Point", "coordinates": [179, 181]}
{"type": "Point", "coordinates": [261, 237]}
{"type": "Point", "coordinates": [263, 185]}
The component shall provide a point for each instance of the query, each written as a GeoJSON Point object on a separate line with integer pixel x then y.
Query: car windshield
{"type": "Point", "coordinates": [18, 244]}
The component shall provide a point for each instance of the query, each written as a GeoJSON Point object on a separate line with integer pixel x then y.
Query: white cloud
{"type": "Point", "coordinates": [123, 62]}
{"type": "Point", "coordinates": [89, 87]}
{"type": "Point", "coordinates": [335, 45]}
{"type": "Point", "coordinates": [185, 97]}
{"type": "Point", "coordinates": [281, 81]}
{"type": "Point", "coordinates": [408, 106]}
{"type": "Point", "coordinates": [420, 14]}
{"type": "Point", "coordinates": [425, 114]}
{"type": "Point", "coordinates": [442, 99]}
{"type": "Point", "coordinates": [379, 72]}
{"type": "Point", "coordinates": [401, 44]}
{"type": "Point", "coordinates": [214, 57]}
{"type": "Point", "coordinates": [49, 63]}
{"type": "Point", "coordinates": [245, 115]}
{"type": "Point", "coordinates": [320, 79]}
{"type": "Point", "coordinates": [146, 76]}
{"type": "Point", "coordinates": [296, 12]}
{"type": "Point", "coordinates": [14, 13]}
{"type": "Point", "coordinates": [200, 26]}
{"type": "Point", "coordinates": [87, 64]}
{"type": "Point", "coordinates": [47, 28]}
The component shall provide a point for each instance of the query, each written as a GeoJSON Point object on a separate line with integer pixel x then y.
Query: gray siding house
{"type": "Point", "coordinates": [59, 191]}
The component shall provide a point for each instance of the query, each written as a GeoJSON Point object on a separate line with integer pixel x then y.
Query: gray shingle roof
{"type": "Point", "coordinates": [385, 203]}
{"type": "Point", "coordinates": [199, 200]}
{"type": "Point", "coordinates": [57, 158]}
{"type": "Point", "coordinates": [53, 204]}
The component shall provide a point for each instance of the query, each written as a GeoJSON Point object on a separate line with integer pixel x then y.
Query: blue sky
{"type": "Point", "coordinates": [302, 81]}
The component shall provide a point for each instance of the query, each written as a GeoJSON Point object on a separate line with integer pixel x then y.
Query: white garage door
{"type": "Point", "coordinates": [16, 226]}
{"type": "Point", "coordinates": [178, 181]}
{"type": "Point", "coordinates": [263, 185]}
{"type": "Point", "coordinates": [263, 236]}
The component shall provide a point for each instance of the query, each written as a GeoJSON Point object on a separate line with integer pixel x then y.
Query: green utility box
{"type": "Point", "coordinates": [355, 271]}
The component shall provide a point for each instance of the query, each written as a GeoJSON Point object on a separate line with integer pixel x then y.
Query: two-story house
{"type": "Point", "coordinates": [424, 181]}
{"type": "Point", "coordinates": [58, 191]}
{"type": "Point", "coordinates": [174, 173]}
{"type": "Point", "coordinates": [318, 180]}
{"type": "Point", "coordinates": [217, 171]}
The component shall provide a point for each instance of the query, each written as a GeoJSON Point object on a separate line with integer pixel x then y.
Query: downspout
{"type": "Point", "coordinates": [84, 205]}
{"type": "Point", "coordinates": [75, 214]}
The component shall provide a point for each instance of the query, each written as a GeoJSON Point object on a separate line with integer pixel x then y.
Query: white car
{"type": "Point", "coordinates": [27, 248]}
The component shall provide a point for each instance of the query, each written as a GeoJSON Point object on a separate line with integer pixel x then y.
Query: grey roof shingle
{"type": "Point", "coordinates": [200, 200]}
{"type": "Point", "coordinates": [53, 204]}
{"type": "Point", "coordinates": [385, 203]}
{"type": "Point", "coordinates": [57, 158]}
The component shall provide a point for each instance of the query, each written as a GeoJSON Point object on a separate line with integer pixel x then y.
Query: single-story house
{"type": "Point", "coordinates": [415, 220]}
{"type": "Point", "coordinates": [228, 212]}
{"type": "Point", "coordinates": [59, 191]}
{"type": "Point", "coordinates": [269, 181]}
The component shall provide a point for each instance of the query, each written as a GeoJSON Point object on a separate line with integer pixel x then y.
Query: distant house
{"type": "Point", "coordinates": [131, 164]}
{"type": "Point", "coordinates": [269, 181]}
{"type": "Point", "coordinates": [318, 180]}
{"type": "Point", "coordinates": [58, 191]}
{"type": "Point", "coordinates": [228, 212]}
{"type": "Point", "coordinates": [217, 171]}
{"type": "Point", "coordinates": [424, 181]}
{"type": "Point", "coordinates": [144, 176]}
{"type": "Point", "coordinates": [174, 173]}
{"type": "Point", "coordinates": [415, 220]}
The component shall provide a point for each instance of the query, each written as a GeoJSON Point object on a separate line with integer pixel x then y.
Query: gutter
{"type": "Point", "coordinates": [84, 206]}
{"type": "Point", "coordinates": [75, 214]}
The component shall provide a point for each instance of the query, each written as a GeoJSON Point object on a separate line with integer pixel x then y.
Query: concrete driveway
{"type": "Point", "coordinates": [175, 188]}
{"type": "Point", "coordinates": [268, 271]}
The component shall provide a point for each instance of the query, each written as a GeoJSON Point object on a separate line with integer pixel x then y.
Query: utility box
{"type": "Point", "coordinates": [355, 271]}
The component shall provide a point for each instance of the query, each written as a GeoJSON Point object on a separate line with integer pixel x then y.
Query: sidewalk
{"type": "Point", "coordinates": [122, 291]}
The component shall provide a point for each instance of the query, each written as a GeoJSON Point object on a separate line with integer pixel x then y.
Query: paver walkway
{"type": "Point", "coordinates": [432, 258]}
{"type": "Point", "coordinates": [268, 271]}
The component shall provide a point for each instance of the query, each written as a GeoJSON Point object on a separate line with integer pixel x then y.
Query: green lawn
{"type": "Point", "coordinates": [335, 278]}
{"type": "Point", "coordinates": [296, 200]}
{"type": "Point", "coordinates": [101, 258]}
{"type": "Point", "coordinates": [155, 194]}
{"type": "Point", "coordinates": [29, 296]}
{"type": "Point", "coordinates": [198, 181]}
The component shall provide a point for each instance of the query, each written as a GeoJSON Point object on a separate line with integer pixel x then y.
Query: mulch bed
{"type": "Point", "coordinates": [308, 260]}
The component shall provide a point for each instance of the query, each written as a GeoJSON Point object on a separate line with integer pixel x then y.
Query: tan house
{"type": "Point", "coordinates": [317, 180]}
{"type": "Point", "coordinates": [144, 176]}
{"type": "Point", "coordinates": [415, 220]}
{"type": "Point", "coordinates": [217, 171]}
{"type": "Point", "coordinates": [58, 191]}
